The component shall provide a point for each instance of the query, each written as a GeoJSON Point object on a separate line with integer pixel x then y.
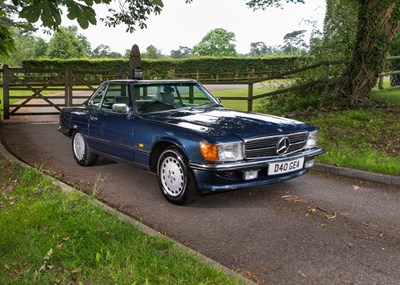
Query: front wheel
{"type": "Point", "coordinates": [175, 178]}
{"type": "Point", "coordinates": [82, 153]}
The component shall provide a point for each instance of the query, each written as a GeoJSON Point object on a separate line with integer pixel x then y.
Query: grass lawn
{"type": "Point", "coordinates": [240, 104]}
{"type": "Point", "coordinates": [51, 237]}
{"type": "Point", "coordinates": [361, 139]}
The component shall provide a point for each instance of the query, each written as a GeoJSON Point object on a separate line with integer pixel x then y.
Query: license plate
{"type": "Point", "coordinates": [285, 166]}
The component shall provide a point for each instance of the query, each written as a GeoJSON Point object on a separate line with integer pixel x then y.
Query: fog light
{"type": "Point", "coordinates": [250, 174]}
{"type": "Point", "coordinates": [309, 164]}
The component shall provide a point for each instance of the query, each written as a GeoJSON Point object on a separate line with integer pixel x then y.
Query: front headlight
{"type": "Point", "coordinates": [221, 152]}
{"type": "Point", "coordinates": [312, 139]}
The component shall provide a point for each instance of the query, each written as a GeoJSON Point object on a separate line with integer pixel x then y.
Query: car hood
{"type": "Point", "coordinates": [223, 122]}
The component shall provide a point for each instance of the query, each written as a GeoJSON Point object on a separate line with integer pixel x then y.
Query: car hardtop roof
{"type": "Point", "coordinates": [163, 81]}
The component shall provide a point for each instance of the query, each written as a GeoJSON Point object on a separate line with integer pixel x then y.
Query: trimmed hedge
{"type": "Point", "coordinates": [203, 68]}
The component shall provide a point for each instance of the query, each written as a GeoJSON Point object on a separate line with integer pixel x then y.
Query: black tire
{"type": "Point", "coordinates": [175, 178]}
{"type": "Point", "coordinates": [81, 151]}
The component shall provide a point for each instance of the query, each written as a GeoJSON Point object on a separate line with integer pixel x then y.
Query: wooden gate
{"type": "Point", "coordinates": [45, 92]}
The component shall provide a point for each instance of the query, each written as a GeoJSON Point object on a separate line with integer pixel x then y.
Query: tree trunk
{"type": "Point", "coordinates": [376, 29]}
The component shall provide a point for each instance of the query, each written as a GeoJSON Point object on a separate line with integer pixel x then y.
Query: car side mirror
{"type": "Point", "coordinates": [121, 108]}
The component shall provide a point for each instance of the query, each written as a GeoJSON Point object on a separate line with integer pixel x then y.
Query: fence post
{"type": "Point", "coordinates": [250, 97]}
{"type": "Point", "coordinates": [68, 87]}
{"type": "Point", "coordinates": [135, 64]}
{"type": "Point", "coordinates": [6, 92]}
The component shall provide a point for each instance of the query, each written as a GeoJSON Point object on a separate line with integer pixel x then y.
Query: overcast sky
{"type": "Point", "coordinates": [181, 24]}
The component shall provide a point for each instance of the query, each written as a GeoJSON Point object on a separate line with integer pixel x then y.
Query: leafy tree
{"type": "Point", "coordinates": [218, 42]}
{"type": "Point", "coordinates": [132, 13]}
{"type": "Point", "coordinates": [377, 22]}
{"type": "Point", "coordinates": [260, 49]}
{"type": "Point", "coordinates": [294, 42]}
{"type": "Point", "coordinates": [40, 48]}
{"type": "Point", "coordinates": [65, 44]}
{"type": "Point", "coordinates": [87, 47]}
{"type": "Point", "coordinates": [8, 14]}
{"type": "Point", "coordinates": [181, 52]}
{"type": "Point", "coordinates": [7, 44]}
{"type": "Point", "coordinates": [27, 46]}
{"type": "Point", "coordinates": [152, 52]}
{"type": "Point", "coordinates": [340, 28]}
{"type": "Point", "coordinates": [24, 47]}
{"type": "Point", "coordinates": [104, 51]}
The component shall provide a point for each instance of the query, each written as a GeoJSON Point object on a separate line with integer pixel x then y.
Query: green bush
{"type": "Point", "coordinates": [317, 85]}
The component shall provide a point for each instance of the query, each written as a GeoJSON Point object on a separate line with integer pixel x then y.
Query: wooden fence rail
{"type": "Point", "coordinates": [385, 72]}
{"type": "Point", "coordinates": [69, 82]}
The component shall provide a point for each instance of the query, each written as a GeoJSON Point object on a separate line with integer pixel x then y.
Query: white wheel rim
{"type": "Point", "coordinates": [79, 146]}
{"type": "Point", "coordinates": [172, 176]}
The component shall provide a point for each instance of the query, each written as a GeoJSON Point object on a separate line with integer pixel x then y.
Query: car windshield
{"type": "Point", "coordinates": [157, 97]}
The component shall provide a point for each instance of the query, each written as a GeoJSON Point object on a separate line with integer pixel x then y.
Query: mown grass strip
{"type": "Point", "coordinates": [52, 237]}
{"type": "Point", "coordinates": [361, 139]}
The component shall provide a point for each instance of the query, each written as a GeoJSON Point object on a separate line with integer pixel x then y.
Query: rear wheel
{"type": "Point", "coordinates": [82, 153]}
{"type": "Point", "coordinates": [175, 178]}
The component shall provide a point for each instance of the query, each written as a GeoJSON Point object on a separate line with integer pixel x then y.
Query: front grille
{"type": "Point", "coordinates": [267, 146]}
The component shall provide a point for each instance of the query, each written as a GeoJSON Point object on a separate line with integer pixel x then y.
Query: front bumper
{"type": "Point", "coordinates": [229, 176]}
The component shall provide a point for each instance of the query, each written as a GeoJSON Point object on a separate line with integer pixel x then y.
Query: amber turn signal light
{"type": "Point", "coordinates": [209, 151]}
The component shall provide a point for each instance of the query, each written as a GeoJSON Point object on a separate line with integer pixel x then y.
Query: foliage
{"type": "Point", "coordinates": [26, 45]}
{"type": "Point", "coordinates": [8, 14]}
{"type": "Point", "coordinates": [152, 52]}
{"type": "Point", "coordinates": [294, 42]}
{"type": "Point", "coordinates": [7, 42]}
{"type": "Point", "coordinates": [82, 64]}
{"type": "Point", "coordinates": [261, 49]}
{"type": "Point", "coordinates": [394, 50]}
{"type": "Point", "coordinates": [51, 237]}
{"type": "Point", "coordinates": [336, 44]}
{"type": "Point", "coordinates": [377, 22]}
{"type": "Point", "coordinates": [364, 139]}
{"type": "Point", "coordinates": [40, 48]}
{"type": "Point", "coordinates": [217, 42]}
{"type": "Point", "coordinates": [132, 13]}
{"type": "Point", "coordinates": [263, 4]}
{"type": "Point", "coordinates": [64, 44]}
{"type": "Point", "coordinates": [307, 99]}
{"type": "Point", "coordinates": [340, 28]}
{"type": "Point", "coordinates": [198, 68]}
{"type": "Point", "coordinates": [181, 52]}
{"type": "Point", "coordinates": [104, 51]}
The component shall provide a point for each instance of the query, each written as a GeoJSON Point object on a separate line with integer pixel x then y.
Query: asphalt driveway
{"type": "Point", "coordinates": [312, 230]}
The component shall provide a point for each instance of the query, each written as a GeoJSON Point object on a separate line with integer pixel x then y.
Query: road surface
{"type": "Point", "coordinates": [316, 229]}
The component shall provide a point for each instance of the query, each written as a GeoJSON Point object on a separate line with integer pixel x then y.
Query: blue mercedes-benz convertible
{"type": "Point", "coordinates": [178, 130]}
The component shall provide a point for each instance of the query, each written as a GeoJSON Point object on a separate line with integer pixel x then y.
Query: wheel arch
{"type": "Point", "coordinates": [158, 148]}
